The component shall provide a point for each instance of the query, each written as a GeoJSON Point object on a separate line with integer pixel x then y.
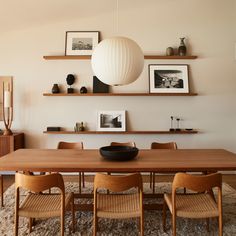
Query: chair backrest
{"type": "Point", "coordinates": [39, 183]}
{"type": "Point", "coordinates": [197, 183]}
{"type": "Point", "coordinates": [170, 145]}
{"type": "Point", "coordinates": [66, 145]}
{"type": "Point", "coordinates": [118, 183]}
{"type": "Point", "coordinates": [129, 144]}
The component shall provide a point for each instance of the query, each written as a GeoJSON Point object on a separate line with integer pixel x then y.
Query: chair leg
{"type": "Point", "coordinates": [220, 222]}
{"type": "Point", "coordinates": [30, 224]}
{"type": "Point", "coordinates": [80, 178]}
{"type": "Point", "coordinates": [62, 223]}
{"type": "Point", "coordinates": [153, 182]}
{"type": "Point", "coordinates": [164, 216]}
{"type": "Point", "coordinates": [16, 224]}
{"type": "Point", "coordinates": [1, 186]}
{"type": "Point", "coordinates": [73, 214]}
{"type": "Point", "coordinates": [173, 225]}
{"type": "Point", "coordinates": [95, 225]}
{"type": "Point", "coordinates": [83, 179]}
{"type": "Point", "coordinates": [150, 179]}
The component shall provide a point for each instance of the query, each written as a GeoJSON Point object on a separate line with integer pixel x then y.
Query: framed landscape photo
{"type": "Point", "coordinates": [81, 42]}
{"type": "Point", "coordinates": [168, 79]}
{"type": "Point", "coordinates": [111, 121]}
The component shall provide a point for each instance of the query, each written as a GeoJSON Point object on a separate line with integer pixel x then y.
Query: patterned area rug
{"type": "Point", "coordinates": [153, 219]}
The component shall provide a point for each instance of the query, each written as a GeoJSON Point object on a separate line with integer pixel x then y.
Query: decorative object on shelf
{"type": "Point", "coordinates": [169, 51]}
{"type": "Point", "coordinates": [117, 61]}
{"type": "Point", "coordinates": [111, 121]}
{"type": "Point", "coordinates": [177, 124]}
{"type": "Point", "coordinates": [7, 108]}
{"type": "Point", "coordinates": [99, 86]}
{"type": "Point", "coordinates": [182, 50]}
{"type": "Point", "coordinates": [55, 88]}
{"type": "Point", "coordinates": [70, 79]}
{"type": "Point", "coordinates": [81, 127]}
{"type": "Point", "coordinates": [83, 90]}
{"type": "Point", "coordinates": [81, 42]}
{"type": "Point", "coordinates": [53, 128]}
{"type": "Point", "coordinates": [118, 153]}
{"type": "Point", "coordinates": [171, 124]}
{"type": "Point", "coordinates": [168, 78]}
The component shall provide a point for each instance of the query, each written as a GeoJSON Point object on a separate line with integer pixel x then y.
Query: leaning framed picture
{"type": "Point", "coordinates": [81, 42]}
{"type": "Point", "coordinates": [111, 121]}
{"type": "Point", "coordinates": [168, 78]}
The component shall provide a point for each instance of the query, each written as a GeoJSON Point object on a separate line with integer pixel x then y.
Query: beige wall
{"type": "Point", "coordinates": [36, 29]}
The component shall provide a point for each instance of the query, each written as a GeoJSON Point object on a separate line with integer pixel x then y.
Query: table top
{"type": "Point", "coordinates": [91, 161]}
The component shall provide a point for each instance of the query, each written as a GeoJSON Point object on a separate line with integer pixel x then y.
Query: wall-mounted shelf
{"type": "Point", "coordinates": [123, 132]}
{"type": "Point", "coordinates": [150, 57]}
{"type": "Point", "coordinates": [118, 94]}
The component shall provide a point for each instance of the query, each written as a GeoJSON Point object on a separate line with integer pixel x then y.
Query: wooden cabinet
{"type": "Point", "coordinates": [10, 143]}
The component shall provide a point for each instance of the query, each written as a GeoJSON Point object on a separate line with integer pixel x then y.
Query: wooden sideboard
{"type": "Point", "coordinates": [10, 143]}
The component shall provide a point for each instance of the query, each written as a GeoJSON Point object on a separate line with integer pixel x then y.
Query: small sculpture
{"type": "Point", "coordinates": [55, 88]}
{"type": "Point", "coordinates": [83, 90]}
{"type": "Point", "coordinates": [171, 124]}
{"type": "Point", "coordinates": [70, 79]}
{"type": "Point", "coordinates": [169, 51]}
{"type": "Point", "coordinates": [177, 125]}
{"type": "Point", "coordinates": [81, 127]}
{"type": "Point", "coordinates": [182, 50]}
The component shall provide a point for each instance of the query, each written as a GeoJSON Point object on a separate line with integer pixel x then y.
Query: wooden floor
{"type": "Point", "coordinates": [230, 179]}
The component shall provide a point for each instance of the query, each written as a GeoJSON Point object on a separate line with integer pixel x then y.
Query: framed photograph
{"type": "Point", "coordinates": [81, 42]}
{"type": "Point", "coordinates": [111, 121]}
{"type": "Point", "coordinates": [168, 79]}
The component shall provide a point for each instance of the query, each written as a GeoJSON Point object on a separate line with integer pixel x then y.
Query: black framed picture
{"type": "Point", "coordinates": [81, 42]}
{"type": "Point", "coordinates": [99, 86]}
{"type": "Point", "coordinates": [168, 78]}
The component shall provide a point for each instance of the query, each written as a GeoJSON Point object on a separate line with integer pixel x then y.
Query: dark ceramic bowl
{"type": "Point", "coordinates": [118, 153]}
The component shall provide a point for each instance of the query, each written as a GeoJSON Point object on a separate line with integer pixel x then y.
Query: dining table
{"type": "Point", "coordinates": [147, 160]}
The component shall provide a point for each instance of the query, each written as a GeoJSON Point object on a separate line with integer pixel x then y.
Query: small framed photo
{"type": "Point", "coordinates": [111, 121]}
{"type": "Point", "coordinates": [168, 79]}
{"type": "Point", "coordinates": [81, 42]}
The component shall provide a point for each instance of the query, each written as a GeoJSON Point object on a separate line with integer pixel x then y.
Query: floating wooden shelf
{"type": "Point", "coordinates": [151, 57]}
{"type": "Point", "coordinates": [123, 132]}
{"type": "Point", "coordinates": [119, 94]}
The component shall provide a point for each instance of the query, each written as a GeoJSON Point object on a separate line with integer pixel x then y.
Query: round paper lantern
{"type": "Point", "coordinates": [117, 61]}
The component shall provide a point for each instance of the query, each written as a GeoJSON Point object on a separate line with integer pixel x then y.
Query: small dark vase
{"type": "Point", "coordinates": [83, 90]}
{"type": "Point", "coordinates": [182, 50]}
{"type": "Point", "coordinates": [55, 88]}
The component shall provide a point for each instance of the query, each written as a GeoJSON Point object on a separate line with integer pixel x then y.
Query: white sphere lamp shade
{"type": "Point", "coordinates": [117, 61]}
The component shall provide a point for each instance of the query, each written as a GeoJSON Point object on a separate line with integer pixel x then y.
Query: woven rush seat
{"type": "Point", "coordinates": [43, 205]}
{"type": "Point", "coordinates": [193, 205]}
{"type": "Point", "coordinates": [118, 206]}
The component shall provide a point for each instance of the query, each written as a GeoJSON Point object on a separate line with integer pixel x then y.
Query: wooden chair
{"type": "Point", "coordinates": [196, 205]}
{"type": "Point", "coordinates": [79, 146]}
{"type": "Point", "coordinates": [39, 205]}
{"type": "Point", "coordinates": [1, 187]}
{"type": "Point", "coordinates": [155, 145]}
{"type": "Point", "coordinates": [118, 206]}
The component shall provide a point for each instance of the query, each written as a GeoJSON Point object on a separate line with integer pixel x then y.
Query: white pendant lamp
{"type": "Point", "coordinates": [117, 61]}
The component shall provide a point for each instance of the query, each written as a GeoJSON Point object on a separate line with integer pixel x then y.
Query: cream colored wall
{"type": "Point", "coordinates": [36, 30]}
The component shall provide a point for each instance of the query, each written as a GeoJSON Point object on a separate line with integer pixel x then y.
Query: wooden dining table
{"type": "Point", "coordinates": [162, 161]}
{"type": "Point", "coordinates": [67, 160]}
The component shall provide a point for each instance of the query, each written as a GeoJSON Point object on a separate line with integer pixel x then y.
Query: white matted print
{"type": "Point", "coordinates": [81, 42]}
{"type": "Point", "coordinates": [168, 79]}
{"type": "Point", "coordinates": [111, 121]}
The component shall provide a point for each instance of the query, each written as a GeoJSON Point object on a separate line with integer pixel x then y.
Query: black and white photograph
{"type": "Point", "coordinates": [81, 42]}
{"type": "Point", "coordinates": [111, 121]}
{"type": "Point", "coordinates": [168, 78]}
